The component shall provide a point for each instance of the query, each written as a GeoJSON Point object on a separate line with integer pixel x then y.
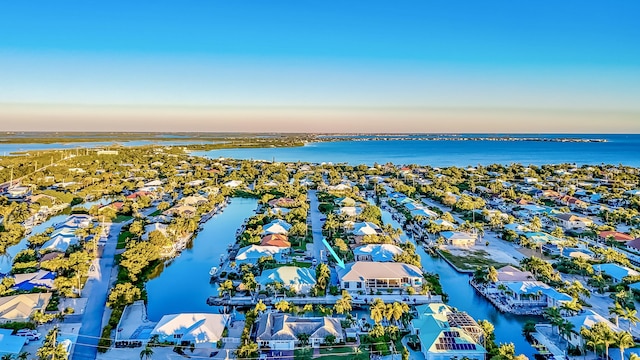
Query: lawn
{"type": "Point", "coordinates": [122, 218]}
{"type": "Point", "coordinates": [341, 352]}
{"type": "Point", "coordinates": [471, 260]}
{"type": "Point", "coordinates": [122, 239]}
{"type": "Point", "coordinates": [156, 213]}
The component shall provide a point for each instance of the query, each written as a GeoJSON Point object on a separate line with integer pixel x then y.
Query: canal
{"type": "Point", "coordinates": [182, 285]}
{"type": "Point", "coordinates": [508, 328]}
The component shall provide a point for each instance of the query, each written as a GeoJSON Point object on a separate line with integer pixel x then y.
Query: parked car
{"type": "Point", "coordinates": [31, 335]}
{"type": "Point", "coordinates": [314, 262]}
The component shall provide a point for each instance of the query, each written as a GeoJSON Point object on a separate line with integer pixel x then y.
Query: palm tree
{"type": "Point", "coordinates": [624, 340]}
{"type": "Point", "coordinates": [7, 357]}
{"type": "Point", "coordinates": [377, 310]}
{"type": "Point", "coordinates": [591, 338]}
{"type": "Point", "coordinates": [23, 356]}
{"type": "Point", "coordinates": [304, 339]}
{"type": "Point", "coordinates": [617, 310]}
{"type": "Point", "coordinates": [553, 315]}
{"type": "Point", "coordinates": [343, 305]}
{"type": "Point", "coordinates": [392, 332]}
{"type": "Point", "coordinates": [146, 353]}
{"type": "Point", "coordinates": [566, 329]}
{"type": "Point", "coordinates": [260, 307]}
{"type": "Point", "coordinates": [377, 331]}
{"type": "Point", "coordinates": [631, 316]}
{"type": "Point", "coordinates": [492, 275]}
{"type": "Point", "coordinates": [282, 305]}
{"type": "Point", "coordinates": [397, 311]}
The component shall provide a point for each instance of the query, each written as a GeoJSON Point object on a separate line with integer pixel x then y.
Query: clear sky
{"type": "Point", "coordinates": [332, 66]}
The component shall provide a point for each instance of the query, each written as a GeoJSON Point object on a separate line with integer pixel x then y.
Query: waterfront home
{"type": "Point", "coordinates": [369, 276]}
{"type": "Point", "coordinates": [587, 318]}
{"type": "Point", "coordinates": [198, 329]}
{"type": "Point", "coordinates": [541, 238]}
{"type": "Point", "coordinates": [578, 252]}
{"type": "Point", "coordinates": [10, 344]}
{"type": "Point", "coordinates": [615, 236]}
{"type": "Point", "coordinates": [233, 183]}
{"type": "Point", "coordinates": [252, 253]}
{"type": "Point", "coordinates": [339, 188]}
{"type": "Point", "coordinates": [345, 202]}
{"type": "Point", "coordinates": [39, 279]}
{"type": "Point", "coordinates": [444, 224]}
{"type": "Point", "coordinates": [376, 252]}
{"type": "Point", "coordinates": [517, 228]}
{"type": "Point", "coordinates": [276, 227]}
{"type": "Point", "coordinates": [350, 211]}
{"type": "Point", "coordinates": [301, 280]}
{"type": "Point", "coordinates": [77, 221]}
{"type": "Point", "coordinates": [573, 222]}
{"type": "Point", "coordinates": [282, 202]}
{"type": "Point", "coordinates": [59, 243]}
{"type": "Point", "coordinates": [459, 238]}
{"type": "Point", "coordinates": [278, 240]}
{"type": "Point", "coordinates": [21, 307]}
{"type": "Point", "coordinates": [442, 335]}
{"type": "Point", "coordinates": [511, 273]}
{"type": "Point", "coordinates": [362, 229]}
{"type": "Point", "coordinates": [148, 229]}
{"type": "Point", "coordinates": [531, 294]}
{"type": "Point", "coordinates": [153, 183]}
{"type": "Point", "coordinates": [194, 200]}
{"type": "Point", "coordinates": [279, 332]}
{"type": "Point", "coordinates": [181, 210]}
{"type": "Point", "coordinates": [615, 271]}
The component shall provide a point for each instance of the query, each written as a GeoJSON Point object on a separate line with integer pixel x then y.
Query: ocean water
{"type": "Point", "coordinates": [619, 149]}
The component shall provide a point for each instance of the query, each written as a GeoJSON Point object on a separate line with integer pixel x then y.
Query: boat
{"type": "Point", "coordinates": [213, 271]}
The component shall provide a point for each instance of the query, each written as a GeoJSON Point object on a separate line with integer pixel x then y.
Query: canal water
{"type": "Point", "coordinates": [508, 328]}
{"type": "Point", "coordinates": [183, 284]}
{"type": "Point", "coordinates": [6, 259]}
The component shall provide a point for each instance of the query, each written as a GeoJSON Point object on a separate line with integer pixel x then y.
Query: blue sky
{"type": "Point", "coordinates": [323, 57]}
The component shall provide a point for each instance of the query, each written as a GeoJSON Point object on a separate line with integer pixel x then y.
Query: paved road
{"type": "Point", "coordinates": [97, 288]}
{"type": "Point", "coordinates": [316, 225]}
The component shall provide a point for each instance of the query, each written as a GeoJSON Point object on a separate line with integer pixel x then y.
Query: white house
{"type": "Point", "coordinates": [459, 238]}
{"type": "Point", "coordinates": [252, 253]}
{"type": "Point", "coordinates": [372, 276]}
{"type": "Point", "coordinates": [291, 277]}
{"type": "Point", "coordinates": [376, 252]}
{"type": "Point", "coordinates": [200, 329]}
{"type": "Point", "coordinates": [276, 227]}
{"type": "Point", "coordinates": [573, 222]}
{"type": "Point", "coordinates": [278, 331]}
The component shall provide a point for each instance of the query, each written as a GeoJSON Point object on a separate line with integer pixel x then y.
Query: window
{"type": "Point", "coordinates": [358, 285]}
{"type": "Point", "coordinates": [346, 284]}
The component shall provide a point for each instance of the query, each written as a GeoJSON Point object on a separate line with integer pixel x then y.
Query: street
{"type": "Point", "coordinates": [316, 225]}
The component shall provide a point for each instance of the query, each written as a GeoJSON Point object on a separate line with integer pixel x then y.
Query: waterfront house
{"type": "Point", "coordinates": [282, 202]}
{"type": "Point", "coordinates": [459, 238]}
{"type": "Point", "coordinates": [345, 202]}
{"type": "Point", "coordinates": [276, 227]}
{"type": "Point", "coordinates": [445, 335]}
{"type": "Point", "coordinates": [194, 200]}
{"type": "Point", "coordinates": [532, 294]}
{"type": "Point", "coordinates": [587, 318]}
{"type": "Point", "coordinates": [615, 271]}
{"type": "Point", "coordinates": [21, 307]}
{"type": "Point", "coordinates": [578, 252]}
{"type": "Point", "coordinates": [182, 210]}
{"type": "Point", "coordinates": [279, 332]}
{"type": "Point", "coordinates": [376, 252]}
{"type": "Point", "coordinates": [369, 276]}
{"type": "Point", "coordinates": [511, 273]}
{"type": "Point", "coordinates": [301, 280]}
{"type": "Point", "coordinates": [278, 240]}
{"type": "Point", "coordinates": [59, 243]}
{"type": "Point", "coordinates": [148, 229]}
{"type": "Point", "coordinates": [252, 253]}
{"type": "Point", "coordinates": [199, 329]}
{"type": "Point", "coordinates": [350, 211]}
{"type": "Point", "coordinates": [40, 279]}
{"type": "Point", "coordinates": [365, 228]}
{"type": "Point", "coordinates": [233, 183]}
{"type": "Point", "coordinates": [573, 222]}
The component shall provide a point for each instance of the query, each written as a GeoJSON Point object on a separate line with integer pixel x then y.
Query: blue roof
{"type": "Point", "coordinates": [614, 270]}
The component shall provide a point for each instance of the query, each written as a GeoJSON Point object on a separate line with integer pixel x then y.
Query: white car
{"type": "Point", "coordinates": [29, 334]}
